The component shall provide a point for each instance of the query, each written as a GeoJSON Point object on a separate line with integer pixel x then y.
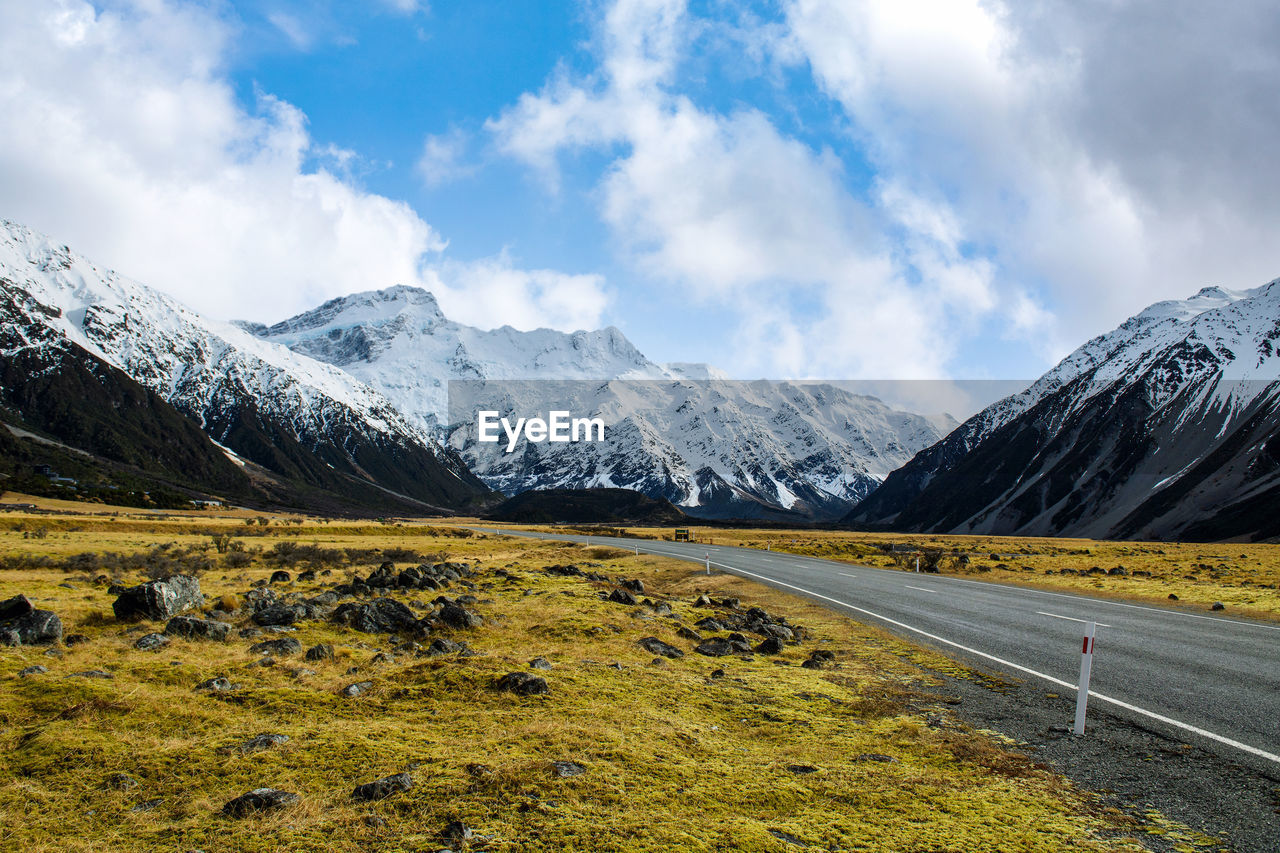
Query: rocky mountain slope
{"type": "Point", "coordinates": [1165, 427]}
{"type": "Point", "coordinates": [300, 419]}
{"type": "Point", "coordinates": [680, 432]}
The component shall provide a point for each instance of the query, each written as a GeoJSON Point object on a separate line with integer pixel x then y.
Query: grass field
{"type": "Point", "coordinates": [766, 755]}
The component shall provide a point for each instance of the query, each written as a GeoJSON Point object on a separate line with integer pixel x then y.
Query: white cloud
{"type": "Point", "coordinates": [494, 292]}
{"type": "Point", "coordinates": [125, 141]}
{"type": "Point", "coordinates": [443, 158]}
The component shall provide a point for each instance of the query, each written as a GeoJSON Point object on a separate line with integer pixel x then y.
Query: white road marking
{"type": "Point", "coordinates": [921, 588]}
{"type": "Point", "coordinates": [1073, 619]}
{"type": "Point", "coordinates": [846, 575]}
{"type": "Point", "coordinates": [1244, 747]}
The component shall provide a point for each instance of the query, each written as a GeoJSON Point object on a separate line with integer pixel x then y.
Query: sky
{"type": "Point", "coordinates": [791, 189]}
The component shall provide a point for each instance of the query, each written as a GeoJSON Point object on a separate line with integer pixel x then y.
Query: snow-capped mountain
{"type": "Point", "coordinates": [1165, 426]}
{"type": "Point", "coordinates": [291, 414]}
{"type": "Point", "coordinates": [714, 447]}
{"type": "Point", "coordinates": [398, 341]}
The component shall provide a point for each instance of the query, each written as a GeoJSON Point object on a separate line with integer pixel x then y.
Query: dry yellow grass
{"type": "Point", "coordinates": [675, 759]}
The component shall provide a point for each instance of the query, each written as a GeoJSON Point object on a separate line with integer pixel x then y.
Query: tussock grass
{"type": "Point", "coordinates": [676, 758]}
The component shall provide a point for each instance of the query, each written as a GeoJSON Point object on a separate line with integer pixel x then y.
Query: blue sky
{"type": "Point", "coordinates": [796, 188]}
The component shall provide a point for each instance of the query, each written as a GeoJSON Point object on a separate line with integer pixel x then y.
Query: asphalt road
{"type": "Point", "coordinates": [1200, 678]}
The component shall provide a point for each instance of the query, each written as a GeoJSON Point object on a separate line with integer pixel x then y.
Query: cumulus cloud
{"type": "Point", "coordinates": [125, 140]}
{"type": "Point", "coordinates": [443, 158]}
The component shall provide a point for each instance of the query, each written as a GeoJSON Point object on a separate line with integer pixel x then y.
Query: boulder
{"type": "Point", "coordinates": [456, 616]}
{"type": "Point", "coordinates": [159, 600]}
{"type": "Point", "coordinates": [770, 646]}
{"type": "Point", "coordinates": [444, 646]}
{"type": "Point", "coordinates": [523, 684]}
{"type": "Point", "coordinates": [636, 586]}
{"type": "Point", "coordinates": [255, 744]}
{"type": "Point", "coordinates": [715, 647]}
{"type": "Point", "coordinates": [282, 646]}
{"type": "Point", "coordinates": [382, 788]}
{"type": "Point", "coordinates": [259, 800]}
{"type": "Point", "coordinates": [151, 642]}
{"type": "Point", "coordinates": [21, 624]}
{"type": "Point", "coordinates": [38, 669]}
{"type": "Point", "coordinates": [622, 596]}
{"type": "Point", "coordinates": [655, 646]}
{"type": "Point", "coordinates": [566, 769]}
{"type": "Point", "coordinates": [321, 651]}
{"type": "Point", "coordinates": [539, 663]}
{"type": "Point", "coordinates": [195, 628]}
{"type": "Point", "coordinates": [357, 688]}
{"type": "Point", "coordinates": [217, 685]}
{"type": "Point", "coordinates": [279, 614]}
{"type": "Point", "coordinates": [280, 577]}
{"type": "Point", "coordinates": [379, 616]}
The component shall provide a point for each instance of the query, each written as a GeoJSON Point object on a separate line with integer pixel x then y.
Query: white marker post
{"type": "Point", "coordinates": [768, 546]}
{"type": "Point", "coordinates": [917, 564]}
{"type": "Point", "coordinates": [637, 550]}
{"type": "Point", "coordinates": [708, 562]}
{"type": "Point", "coordinates": [1086, 664]}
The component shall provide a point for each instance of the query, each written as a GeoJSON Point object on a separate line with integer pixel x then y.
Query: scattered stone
{"type": "Point", "coordinates": [787, 837]}
{"type": "Point", "coordinates": [382, 788]}
{"type": "Point", "coordinates": [523, 684]}
{"type": "Point", "coordinates": [457, 832]}
{"type": "Point", "coordinates": [379, 616]}
{"type": "Point", "coordinates": [280, 576]}
{"type": "Point", "coordinates": [146, 806]}
{"type": "Point", "coordinates": [444, 646]}
{"type": "Point", "coordinates": [770, 646]}
{"type": "Point", "coordinates": [282, 646]}
{"type": "Point", "coordinates": [655, 646]}
{"type": "Point", "coordinates": [159, 600]}
{"type": "Point", "coordinates": [717, 673]}
{"type": "Point", "coordinates": [370, 820]}
{"type": "Point", "coordinates": [75, 639]}
{"type": "Point", "coordinates": [195, 628]}
{"type": "Point", "coordinates": [875, 756]}
{"type": "Point", "coordinates": [267, 660]}
{"type": "Point", "coordinates": [120, 782]}
{"type": "Point", "coordinates": [1218, 605]}
{"type": "Point", "coordinates": [279, 614]}
{"type": "Point", "coordinates": [539, 663]}
{"type": "Point", "coordinates": [566, 769]}
{"type": "Point", "coordinates": [250, 633]}
{"type": "Point", "coordinates": [456, 616]}
{"type": "Point", "coordinates": [307, 576]}
{"type": "Point", "coordinates": [689, 634]}
{"type": "Point", "coordinates": [259, 800]}
{"type": "Point", "coordinates": [38, 669]}
{"type": "Point", "coordinates": [21, 624]}
{"type": "Point", "coordinates": [622, 596]}
{"type": "Point", "coordinates": [151, 642]}
{"type": "Point", "coordinates": [91, 673]}
{"type": "Point", "coordinates": [356, 689]}
{"type": "Point", "coordinates": [1173, 597]}
{"type": "Point", "coordinates": [256, 744]}
{"type": "Point", "coordinates": [383, 657]}
{"type": "Point", "coordinates": [636, 586]}
{"type": "Point", "coordinates": [217, 685]}
{"type": "Point", "coordinates": [702, 601]}
{"type": "Point", "coordinates": [711, 625]}
{"type": "Point", "coordinates": [321, 651]}
{"type": "Point", "coordinates": [302, 673]}
{"type": "Point", "coordinates": [801, 769]}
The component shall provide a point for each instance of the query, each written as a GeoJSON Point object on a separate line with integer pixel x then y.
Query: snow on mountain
{"type": "Point", "coordinates": [679, 431]}
{"type": "Point", "coordinates": [216, 373]}
{"type": "Point", "coordinates": [1140, 430]}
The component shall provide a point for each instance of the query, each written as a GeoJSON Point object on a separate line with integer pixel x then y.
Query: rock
{"type": "Point", "coordinates": [195, 628]}
{"type": "Point", "coordinates": [379, 616]}
{"type": "Point", "coordinates": [374, 821]}
{"type": "Point", "coordinates": [280, 577]}
{"type": "Point", "coordinates": [456, 616]}
{"type": "Point", "coordinates": [539, 663]}
{"type": "Point", "coordinates": [801, 769]}
{"type": "Point", "coordinates": [622, 596]}
{"type": "Point", "coordinates": [217, 685]}
{"type": "Point", "coordinates": [151, 642]}
{"type": "Point", "coordinates": [714, 647]}
{"type": "Point", "coordinates": [248, 633]}
{"type": "Point", "coordinates": [120, 782]}
{"type": "Point", "coordinates": [875, 756]}
{"type": "Point", "coordinates": [382, 788]}
{"type": "Point", "coordinates": [457, 832]}
{"type": "Point", "coordinates": [1218, 605]}
{"type": "Point", "coordinates": [702, 601]}
{"type": "Point", "coordinates": [75, 639]}
{"type": "Point", "coordinates": [1173, 597]}
{"type": "Point", "coordinates": [711, 625]}
{"type": "Point", "coordinates": [321, 651]}
{"type": "Point", "coordinates": [255, 744]}
{"type": "Point", "coordinates": [146, 805]}
{"type": "Point", "coordinates": [444, 646]}
{"type": "Point", "coordinates": [689, 634]}
{"type": "Point", "coordinates": [279, 614]}
{"type": "Point", "coordinates": [812, 663]}
{"type": "Point", "coordinates": [159, 600]}
{"type": "Point", "coordinates": [259, 800]}
{"type": "Point", "coordinates": [32, 670]}
{"type": "Point", "coordinates": [636, 586]}
{"type": "Point", "coordinates": [523, 684]}
{"type": "Point", "coordinates": [91, 673]}
{"type": "Point", "coordinates": [566, 769]}
{"type": "Point", "coordinates": [356, 689]}
{"type": "Point", "coordinates": [307, 576]}
{"type": "Point", "coordinates": [655, 646]}
{"type": "Point", "coordinates": [770, 646]}
{"type": "Point", "coordinates": [1118, 571]}
{"type": "Point", "coordinates": [282, 646]}
{"type": "Point", "coordinates": [21, 624]}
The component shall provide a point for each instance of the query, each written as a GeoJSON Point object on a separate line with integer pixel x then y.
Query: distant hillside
{"type": "Point", "coordinates": [586, 506]}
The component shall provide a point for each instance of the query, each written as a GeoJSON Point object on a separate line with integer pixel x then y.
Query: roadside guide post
{"type": "Point", "coordinates": [708, 556]}
{"type": "Point", "coordinates": [1086, 664]}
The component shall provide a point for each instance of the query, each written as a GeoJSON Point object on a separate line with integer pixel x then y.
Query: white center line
{"type": "Point", "coordinates": [922, 589]}
{"type": "Point", "coordinates": [846, 575]}
{"type": "Point", "coordinates": [1072, 618]}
